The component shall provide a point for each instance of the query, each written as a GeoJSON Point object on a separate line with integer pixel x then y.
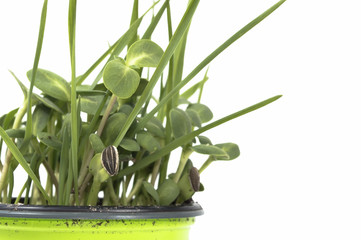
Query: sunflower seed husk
{"type": "Point", "coordinates": [195, 179]}
{"type": "Point", "coordinates": [110, 160]}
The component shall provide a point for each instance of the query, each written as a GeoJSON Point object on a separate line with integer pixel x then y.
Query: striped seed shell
{"type": "Point", "coordinates": [110, 160]}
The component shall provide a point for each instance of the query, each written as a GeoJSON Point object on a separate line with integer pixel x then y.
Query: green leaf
{"type": "Point", "coordinates": [182, 100]}
{"type": "Point", "coordinates": [144, 53]}
{"type": "Point", "coordinates": [47, 102]}
{"type": "Point", "coordinates": [41, 116]}
{"type": "Point", "coordinates": [204, 140]}
{"type": "Point", "coordinates": [180, 122]}
{"type": "Point", "coordinates": [210, 150]}
{"type": "Point", "coordinates": [130, 145]}
{"type": "Point", "coordinates": [19, 157]}
{"type": "Point", "coordinates": [51, 84]}
{"type": "Point", "coordinates": [155, 127]}
{"type": "Point", "coordinates": [112, 128]}
{"type": "Point", "coordinates": [9, 118]}
{"type": "Point", "coordinates": [125, 108]}
{"type": "Point", "coordinates": [120, 79]}
{"type": "Point", "coordinates": [118, 47]}
{"type": "Point", "coordinates": [204, 113]}
{"type": "Point", "coordinates": [90, 104]}
{"type": "Point", "coordinates": [24, 89]}
{"type": "Point", "coordinates": [181, 29]}
{"type": "Point", "coordinates": [231, 149]}
{"type": "Point", "coordinates": [50, 140]}
{"type": "Point", "coordinates": [151, 191]}
{"type": "Point", "coordinates": [96, 168]}
{"type": "Point", "coordinates": [15, 133]}
{"type": "Point", "coordinates": [36, 98]}
{"type": "Point", "coordinates": [147, 141]}
{"type": "Point", "coordinates": [196, 120]}
{"type": "Point", "coordinates": [142, 85]}
{"type": "Point", "coordinates": [189, 137]}
{"type": "Point", "coordinates": [85, 90]}
{"type": "Point", "coordinates": [96, 143]}
{"type": "Point", "coordinates": [2, 119]}
{"type": "Point", "coordinates": [168, 192]}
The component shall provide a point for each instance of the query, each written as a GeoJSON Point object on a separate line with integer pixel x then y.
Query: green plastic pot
{"type": "Point", "coordinates": [128, 223]}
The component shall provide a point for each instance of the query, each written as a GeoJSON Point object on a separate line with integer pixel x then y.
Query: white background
{"type": "Point", "coordinates": [298, 176]}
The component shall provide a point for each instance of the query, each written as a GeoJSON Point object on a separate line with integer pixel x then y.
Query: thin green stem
{"type": "Point", "coordinates": [155, 172]}
{"type": "Point", "coordinates": [84, 185]}
{"type": "Point", "coordinates": [134, 191]}
{"type": "Point", "coordinates": [20, 193]}
{"type": "Point", "coordinates": [186, 152]}
{"type": "Point", "coordinates": [112, 194]}
{"type": "Point", "coordinates": [52, 177]}
{"type": "Point", "coordinates": [126, 182]}
{"type": "Point", "coordinates": [84, 168]}
{"type": "Point", "coordinates": [206, 164]}
{"type": "Point", "coordinates": [107, 112]}
{"type": "Point", "coordinates": [17, 123]}
{"type": "Point", "coordinates": [88, 156]}
{"type": "Point", "coordinates": [94, 191]}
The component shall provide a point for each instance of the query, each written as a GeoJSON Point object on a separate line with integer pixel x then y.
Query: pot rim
{"type": "Point", "coordinates": [100, 212]}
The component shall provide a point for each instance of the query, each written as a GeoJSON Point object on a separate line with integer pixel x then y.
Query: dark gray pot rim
{"type": "Point", "coordinates": [100, 212]}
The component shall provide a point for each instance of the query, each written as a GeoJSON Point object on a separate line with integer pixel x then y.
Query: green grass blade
{"type": "Point", "coordinates": [20, 158]}
{"type": "Point", "coordinates": [178, 66]}
{"type": "Point", "coordinates": [73, 102]}
{"type": "Point", "coordinates": [190, 91]}
{"type": "Point", "coordinates": [206, 61]}
{"type": "Point", "coordinates": [96, 64]}
{"type": "Point", "coordinates": [163, 112]}
{"type": "Point", "coordinates": [158, 71]}
{"type": "Point", "coordinates": [28, 131]}
{"type": "Point", "coordinates": [205, 79]}
{"type": "Point", "coordinates": [64, 162]}
{"type": "Point", "coordinates": [187, 138]}
{"type": "Point", "coordinates": [134, 17]}
{"type": "Point", "coordinates": [148, 33]}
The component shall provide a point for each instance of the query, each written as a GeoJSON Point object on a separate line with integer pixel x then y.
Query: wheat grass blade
{"type": "Point", "coordinates": [205, 62]}
{"type": "Point", "coordinates": [73, 101]}
{"type": "Point", "coordinates": [28, 131]}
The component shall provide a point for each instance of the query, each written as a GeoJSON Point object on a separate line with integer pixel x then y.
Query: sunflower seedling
{"type": "Point", "coordinates": [117, 133]}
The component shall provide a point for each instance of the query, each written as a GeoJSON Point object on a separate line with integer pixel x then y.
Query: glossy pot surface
{"type": "Point", "coordinates": [130, 223]}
